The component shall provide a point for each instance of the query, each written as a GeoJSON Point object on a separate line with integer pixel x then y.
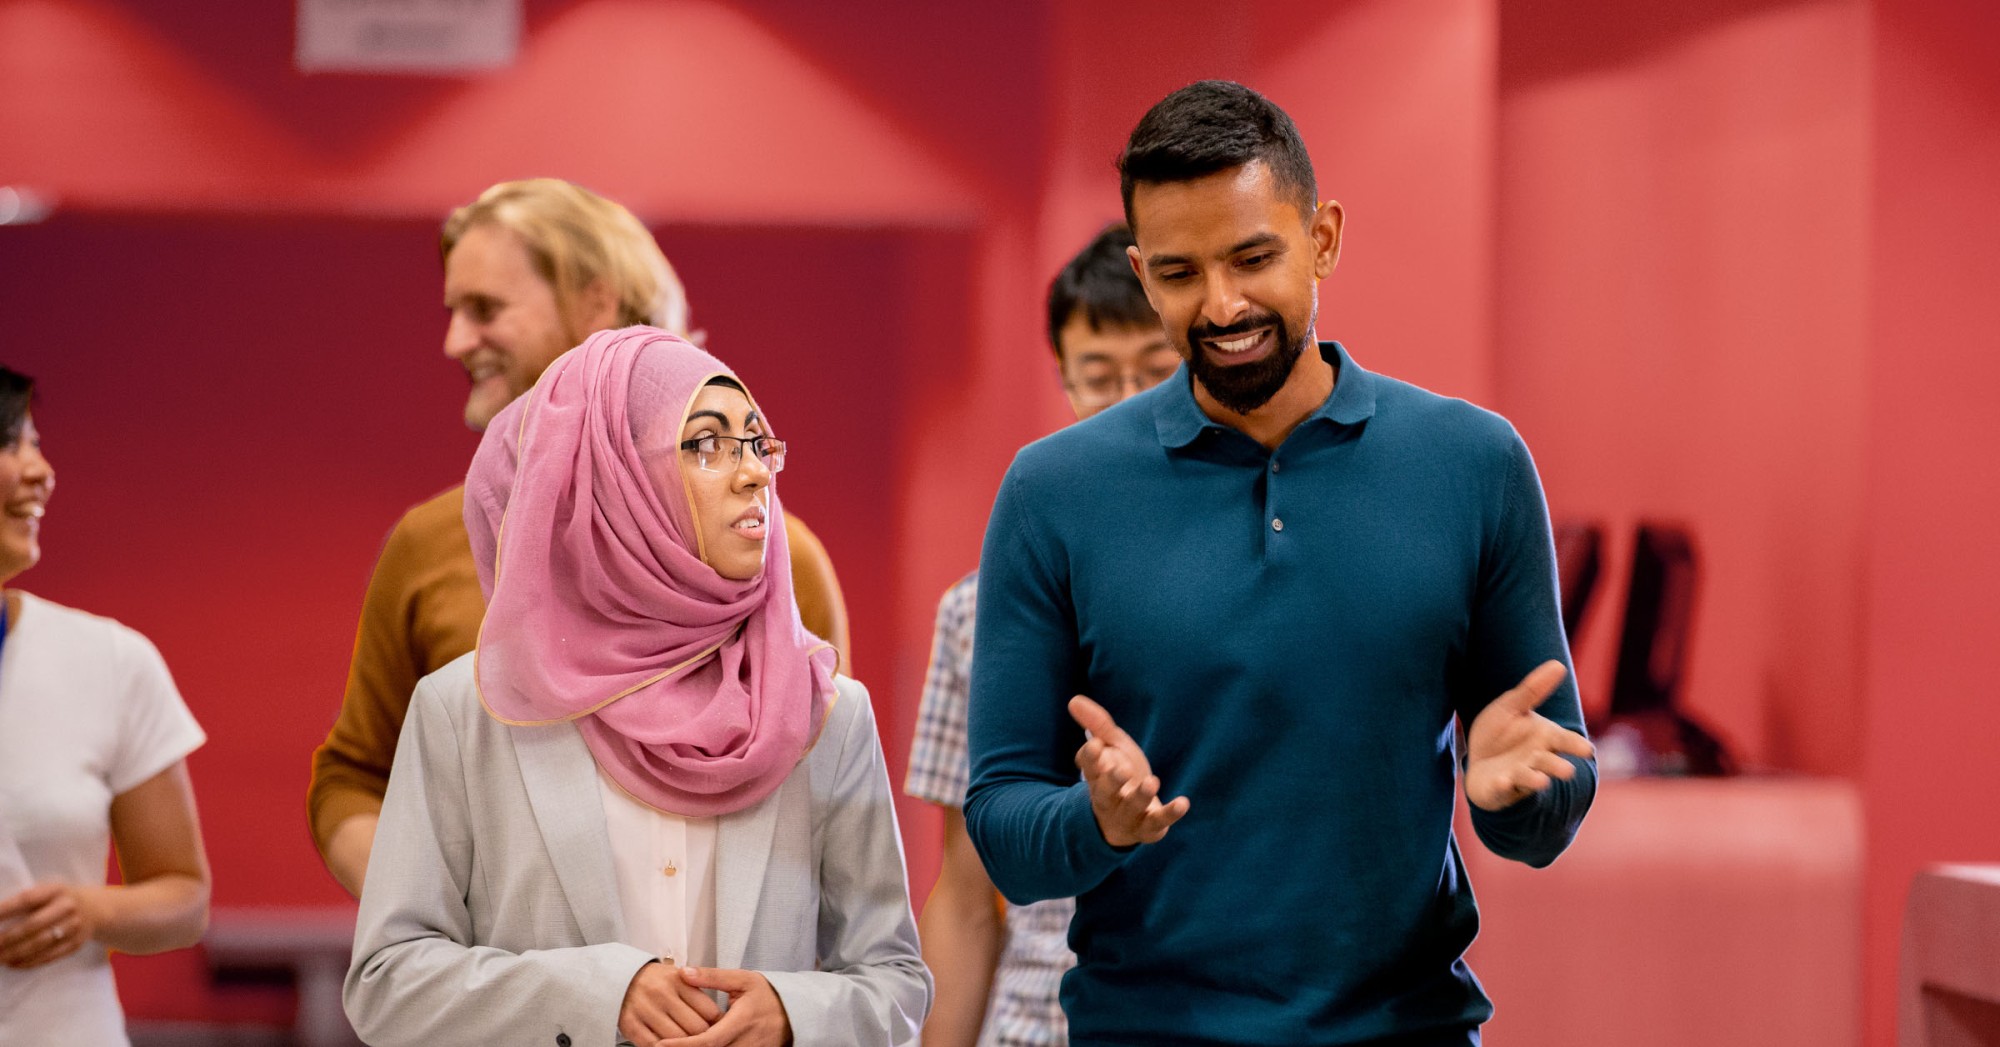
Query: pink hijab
{"type": "Point", "coordinates": [695, 693]}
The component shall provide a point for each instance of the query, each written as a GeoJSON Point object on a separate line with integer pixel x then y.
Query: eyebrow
{"type": "Point", "coordinates": [1260, 240]}
{"type": "Point", "coordinates": [748, 420]}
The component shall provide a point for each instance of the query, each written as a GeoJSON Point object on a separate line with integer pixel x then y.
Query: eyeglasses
{"type": "Point", "coordinates": [1100, 390]}
{"type": "Point", "coordinates": [721, 454]}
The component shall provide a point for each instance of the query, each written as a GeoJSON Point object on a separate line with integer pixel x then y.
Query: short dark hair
{"type": "Point", "coordinates": [1099, 285]}
{"type": "Point", "coordinates": [16, 390]}
{"type": "Point", "coordinates": [1212, 126]}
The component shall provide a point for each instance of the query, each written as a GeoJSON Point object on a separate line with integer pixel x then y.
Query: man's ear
{"type": "Point", "coordinates": [1139, 270]}
{"type": "Point", "coordinates": [596, 307]}
{"type": "Point", "coordinates": [1324, 228]}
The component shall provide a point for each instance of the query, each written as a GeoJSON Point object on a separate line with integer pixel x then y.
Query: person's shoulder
{"type": "Point", "coordinates": [849, 714]}
{"type": "Point", "coordinates": [962, 595]}
{"type": "Point", "coordinates": [435, 520]}
{"type": "Point", "coordinates": [84, 633]}
{"type": "Point", "coordinates": [452, 689]}
{"type": "Point", "coordinates": [851, 700]}
{"type": "Point", "coordinates": [1090, 445]}
{"type": "Point", "coordinates": [428, 544]}
{"type": "Point", "coordinates": [1411, 407]}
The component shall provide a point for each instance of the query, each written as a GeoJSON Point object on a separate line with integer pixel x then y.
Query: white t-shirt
{"type": "Point", "coordinates": [87, 712]}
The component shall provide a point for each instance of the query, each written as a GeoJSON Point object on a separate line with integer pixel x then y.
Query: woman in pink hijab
{"type": "Point", "coordinates": [645, 809]}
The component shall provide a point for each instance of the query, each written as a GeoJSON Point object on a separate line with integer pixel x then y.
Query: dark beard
{"type": "Point", "coordinates": [1244, 387]}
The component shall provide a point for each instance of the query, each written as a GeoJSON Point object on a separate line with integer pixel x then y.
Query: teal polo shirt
{"type": "Point", "coordinates": [1289, 635]}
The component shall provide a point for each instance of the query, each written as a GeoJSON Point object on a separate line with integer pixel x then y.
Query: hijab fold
{"type": "Point", "coordinates": [696, 693]}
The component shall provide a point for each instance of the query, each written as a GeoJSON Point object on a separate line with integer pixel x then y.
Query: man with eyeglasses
{"type": "Point", "coordinates": [997, 975]}
{"type": "Point", "coordinates": [531, 268]}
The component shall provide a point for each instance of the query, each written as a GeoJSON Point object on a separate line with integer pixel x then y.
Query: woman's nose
{"type": "Point", "coordinates": [751, 472]}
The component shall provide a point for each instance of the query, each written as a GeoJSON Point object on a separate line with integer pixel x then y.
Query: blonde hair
{"type": "Point", "coordinates": [574, 239]}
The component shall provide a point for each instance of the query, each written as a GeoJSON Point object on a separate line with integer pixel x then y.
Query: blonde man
{"type": "Point", "coordinates": [532, 268]}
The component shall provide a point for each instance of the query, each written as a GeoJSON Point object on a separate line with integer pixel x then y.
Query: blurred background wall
{"type": "Point", "coordinates": [1726, 262]}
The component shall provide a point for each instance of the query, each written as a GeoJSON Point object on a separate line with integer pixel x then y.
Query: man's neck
{"type": "Point", "coordinates": [1305, 390]}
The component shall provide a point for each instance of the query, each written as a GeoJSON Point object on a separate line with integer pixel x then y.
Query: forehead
{"type": "Point", "coordinates": [1211, 214]}
{"type": "Point", "coordinates": [728, 402]}
{"type": "Point", "coordinates": [489, 257]}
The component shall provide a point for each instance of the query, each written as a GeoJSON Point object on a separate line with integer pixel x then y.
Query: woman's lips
{"type": "Point", "coordinates": [751, 525]}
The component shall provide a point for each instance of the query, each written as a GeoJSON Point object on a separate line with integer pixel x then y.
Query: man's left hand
{"type": "Point", "coordinates": [1512, 751]}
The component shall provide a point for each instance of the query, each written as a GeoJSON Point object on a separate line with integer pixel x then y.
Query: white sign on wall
{"type": "Point", "coordinates": [407, 36]}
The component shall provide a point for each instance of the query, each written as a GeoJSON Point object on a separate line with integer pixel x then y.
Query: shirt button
{"type": "Point", "coordinates": [1274, 465]}
{"type": "Point", "coordinates": [670, 869]}
{"type": "Point", "coordinates": [1277, 524]}
{"type": "Point", "coordinates": [562, 1039]}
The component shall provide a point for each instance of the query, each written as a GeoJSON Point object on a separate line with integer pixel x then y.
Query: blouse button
{"type": "Point", "coordinates": [670, 869]}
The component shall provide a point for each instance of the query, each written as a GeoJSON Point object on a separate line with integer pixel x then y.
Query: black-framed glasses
{"type": "Point", "coordinates": [721, 454]}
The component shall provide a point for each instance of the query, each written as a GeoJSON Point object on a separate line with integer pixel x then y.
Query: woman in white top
{"type": "Point", "coordinates": [93, 746]}
{"type": "Point", "coordinates": [645, 806]}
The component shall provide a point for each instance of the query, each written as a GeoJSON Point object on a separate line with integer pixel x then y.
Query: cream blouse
{"type": "Point", "coordinates": [665, 868]}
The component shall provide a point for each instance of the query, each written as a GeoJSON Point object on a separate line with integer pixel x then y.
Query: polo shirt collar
{"type": "Point", "coordinates": [1179, 420]}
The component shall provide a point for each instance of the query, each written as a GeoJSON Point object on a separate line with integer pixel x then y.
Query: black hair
{"type": "Point", "coordinates": [1099, 285]}
{"type": "Point", "coordinates": [727, 382]}
{"type": "Point", "coordinates": [16, 390]}
{"type": "Point", "coordinates": [1212, 126]}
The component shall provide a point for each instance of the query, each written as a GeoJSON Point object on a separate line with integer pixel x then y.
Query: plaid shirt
{"type": "Point", "coordinates": [1024, 1011]}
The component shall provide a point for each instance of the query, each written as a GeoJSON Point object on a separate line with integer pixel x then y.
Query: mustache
{"type": "Point", "coordinates": [1210, 332]}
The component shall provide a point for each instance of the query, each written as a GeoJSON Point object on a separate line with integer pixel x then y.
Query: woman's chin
{"type": "Point", "coordinates": [739, 564]}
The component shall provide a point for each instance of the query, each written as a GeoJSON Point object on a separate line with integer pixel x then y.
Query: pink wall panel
{"type": "Point", "coordinates": [1681, 274]}
{"type": "Point", "coordinates": [1931, 729]}
{"type": "Point", "coordinates": [1397, 102]}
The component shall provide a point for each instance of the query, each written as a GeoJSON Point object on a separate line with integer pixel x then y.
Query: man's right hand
{"type": "Point", "coordinates": [1124, 794]}
{"type": "Point", "coordinates": [660, 1005]}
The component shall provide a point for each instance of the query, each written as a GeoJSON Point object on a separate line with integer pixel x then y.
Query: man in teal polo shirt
{"type": "Point", "coordinates": [1281, 581]}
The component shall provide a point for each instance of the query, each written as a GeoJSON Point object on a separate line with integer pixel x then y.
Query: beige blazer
{"type": "Point", "coordinates": [491, 914]}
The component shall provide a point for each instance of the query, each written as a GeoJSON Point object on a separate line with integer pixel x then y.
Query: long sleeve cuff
{"type": "Point", "coordinates": [1043, 846]}
{"type": "Point", "coordinates": [1540, 827]}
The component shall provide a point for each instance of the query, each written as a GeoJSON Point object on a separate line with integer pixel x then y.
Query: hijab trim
{"type": "Point", "coordinates": [687, 484]}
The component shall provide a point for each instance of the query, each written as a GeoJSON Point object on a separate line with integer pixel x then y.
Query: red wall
{"type": "Point", "coordinates": [1931, 728]}
{"type": "Point", "coordinates": [1682, 331]}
